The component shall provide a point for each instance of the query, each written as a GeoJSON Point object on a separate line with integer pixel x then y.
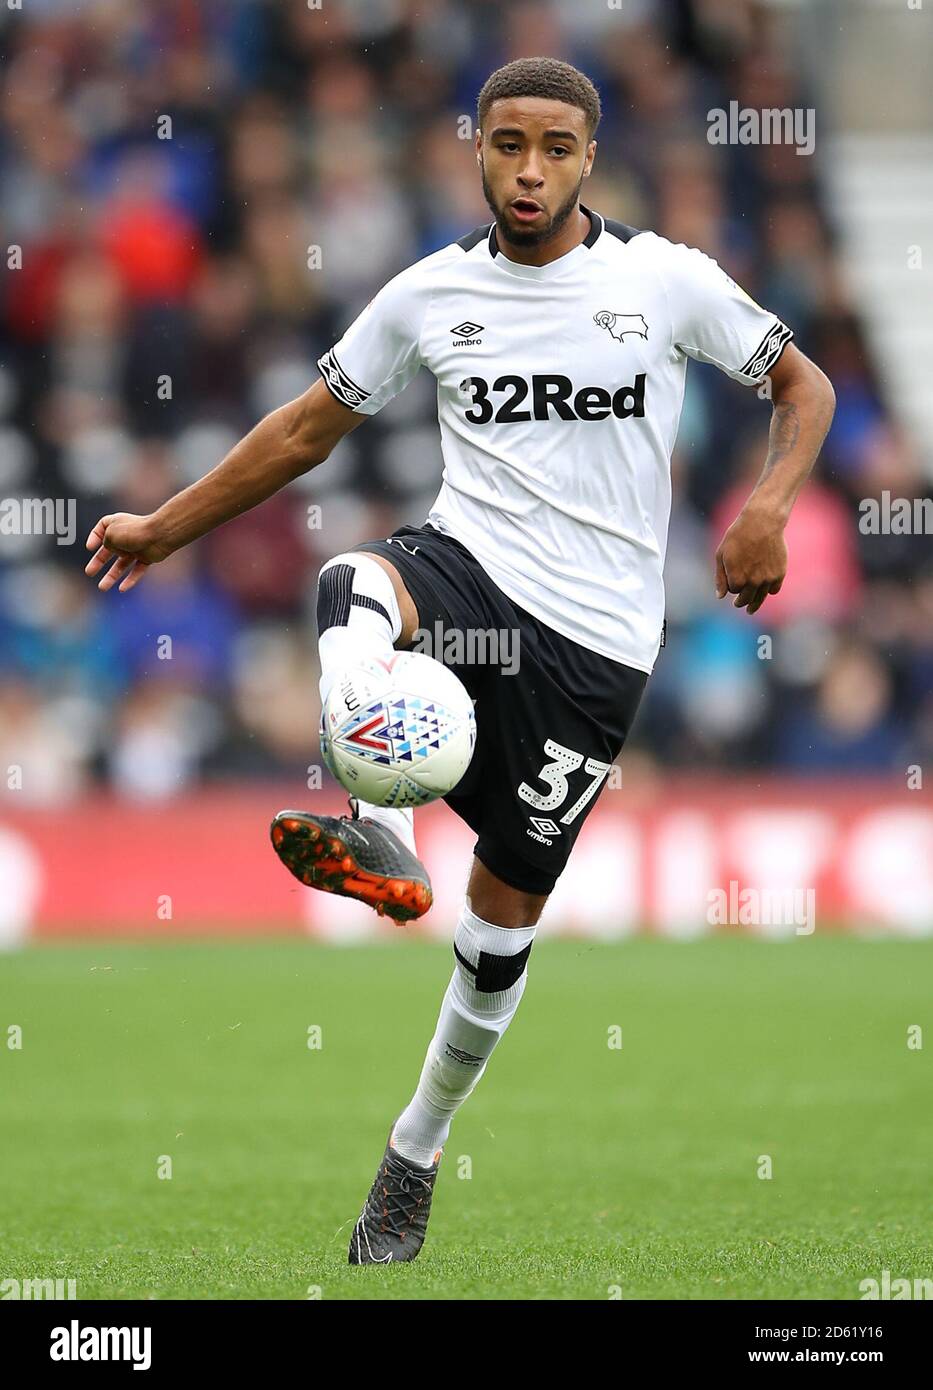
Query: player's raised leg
{"type": "Point", "coordinates": [364, 611]}
{"type": "Point", "coordinates": [492, 942]}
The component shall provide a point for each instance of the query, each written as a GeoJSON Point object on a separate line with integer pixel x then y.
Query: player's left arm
{"type": "Point", "coordinates": [751, 561]}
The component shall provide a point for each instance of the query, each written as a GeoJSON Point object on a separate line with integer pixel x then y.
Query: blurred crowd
{"type": "Point", "coordinates": [205, 194]}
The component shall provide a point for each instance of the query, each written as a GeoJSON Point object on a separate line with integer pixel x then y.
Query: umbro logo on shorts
{"type": "Point", "coordinates": [545, 829]}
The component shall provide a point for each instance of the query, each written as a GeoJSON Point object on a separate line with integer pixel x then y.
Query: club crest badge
{"type": "Point", "coordinates": [620, 324]}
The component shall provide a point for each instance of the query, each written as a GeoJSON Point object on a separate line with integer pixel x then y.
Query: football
{"type": "Point", "coordinates": [400, 732]}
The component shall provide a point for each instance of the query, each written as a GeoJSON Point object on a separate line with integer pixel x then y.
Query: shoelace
{"type": "Point", "coordinates": [401, 1201]}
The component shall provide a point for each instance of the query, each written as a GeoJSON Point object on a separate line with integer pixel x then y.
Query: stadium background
{"type": "Point", "coordinates": [617, 1148]}
{"type": "Point", "coordinates": [310, 154]}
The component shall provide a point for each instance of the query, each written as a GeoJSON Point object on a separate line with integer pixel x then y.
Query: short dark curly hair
{"type": "Point", "coordinates": [542, 77]}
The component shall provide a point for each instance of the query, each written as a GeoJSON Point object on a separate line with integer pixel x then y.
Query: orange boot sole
{"type": "Point", "coordinates": [321, 859]}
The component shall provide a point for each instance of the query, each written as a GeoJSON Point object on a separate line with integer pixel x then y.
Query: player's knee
{"type": "Point", "coordinates": [497, 901]}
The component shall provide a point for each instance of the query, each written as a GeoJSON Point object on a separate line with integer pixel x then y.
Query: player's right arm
{"type": "Point", "coordinates": [374, 360]}
{"type": "Point", "coordinates": [288, 442]}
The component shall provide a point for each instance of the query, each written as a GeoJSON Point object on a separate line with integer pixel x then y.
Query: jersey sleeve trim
{"type": "Point", "coordinates": [768, 351]}
{"type": "Point", "coordinates": [341, 386]}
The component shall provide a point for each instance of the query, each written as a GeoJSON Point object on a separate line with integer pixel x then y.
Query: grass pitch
{"type": "Point", "coordinates": [575, 1171]}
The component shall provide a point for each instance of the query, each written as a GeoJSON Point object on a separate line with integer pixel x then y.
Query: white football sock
{"type": "Point", "coordinates": [473, 1018]}
{"type": "Point", "coordinates": [362, 633]}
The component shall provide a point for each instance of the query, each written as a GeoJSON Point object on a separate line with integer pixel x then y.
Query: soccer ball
{"type": "Point", "coordinates": [399, 732]}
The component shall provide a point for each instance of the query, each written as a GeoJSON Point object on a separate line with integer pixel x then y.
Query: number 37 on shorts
{"type": "Point", "coordinates": [554, 773]}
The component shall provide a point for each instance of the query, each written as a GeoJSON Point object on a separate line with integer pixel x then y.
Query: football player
{"type": "Point", "coordinates": [559, 340]}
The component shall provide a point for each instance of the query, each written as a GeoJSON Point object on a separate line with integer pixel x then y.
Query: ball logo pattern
{"type": "Point", "coordinates": [400, 734]}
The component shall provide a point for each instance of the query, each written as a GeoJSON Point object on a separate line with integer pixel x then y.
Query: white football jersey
{"type": "Point", "coordinates": [559, 392]}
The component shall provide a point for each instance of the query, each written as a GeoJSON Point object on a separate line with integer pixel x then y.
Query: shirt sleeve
{"type": "Point", "coordinates": [715, 321]}
{"type": "Point", "coordinates": [380, 352]}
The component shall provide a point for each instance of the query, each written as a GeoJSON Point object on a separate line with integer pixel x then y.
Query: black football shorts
{"type": "Point", "coordinates": [551, 715]}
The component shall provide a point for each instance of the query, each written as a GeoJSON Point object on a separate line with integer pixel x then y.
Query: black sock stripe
{"type": "Point", "coordinates": [335, 596]}
{"type": "Point", "coordinates": [364, 601]}
{"type": "Point", "coordinates": [495, 973]}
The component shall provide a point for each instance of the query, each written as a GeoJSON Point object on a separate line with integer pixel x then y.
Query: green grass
{"type": "Point", "coordinates": [591, 1167]}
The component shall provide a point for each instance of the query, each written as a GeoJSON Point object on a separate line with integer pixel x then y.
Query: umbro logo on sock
{"type": "Point", "coordinates": [459, 1055]}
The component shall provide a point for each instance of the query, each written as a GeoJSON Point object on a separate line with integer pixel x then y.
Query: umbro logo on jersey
{"type": "Point", "coordinates": [620, 324]}
{"type": "Point", "coordinates": [465, 334]}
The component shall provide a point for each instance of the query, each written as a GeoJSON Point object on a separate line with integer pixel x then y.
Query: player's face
{"type": "Point", "coordinates": [533, 154]}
